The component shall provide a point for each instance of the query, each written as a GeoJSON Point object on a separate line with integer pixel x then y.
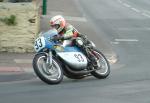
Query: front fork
{"type": "Point", "coordinates": [48, 63]}
{"type": "Point", "coordinates": [49, 58]}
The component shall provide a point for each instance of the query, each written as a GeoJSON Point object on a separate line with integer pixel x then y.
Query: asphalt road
{"type": "Point", "coordinates": [125, 25]}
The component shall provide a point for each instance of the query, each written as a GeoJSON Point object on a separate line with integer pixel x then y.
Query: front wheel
{"type": "Point", "coordinates": [103, 69]}
{"type": "Point", "coordinates": [50, 74]}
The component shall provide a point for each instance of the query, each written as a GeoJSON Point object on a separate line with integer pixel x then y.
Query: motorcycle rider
{"type": "Point", "coordinates": [67, 33]}
{"type": "Point", "coordinates": [65, 30]}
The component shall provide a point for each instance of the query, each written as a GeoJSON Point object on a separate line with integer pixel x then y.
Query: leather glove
{"type": "Point", "coordinates": [57, 38]}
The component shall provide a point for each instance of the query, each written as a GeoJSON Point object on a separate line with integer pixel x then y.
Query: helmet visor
{"type": "Point", "coordinates": [56, 26]}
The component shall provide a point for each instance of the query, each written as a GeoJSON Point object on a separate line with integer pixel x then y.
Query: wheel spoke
{"type": "Point", "coordinates": [102, 64]}
{"type": "Point", "coordinates": [50, 72]}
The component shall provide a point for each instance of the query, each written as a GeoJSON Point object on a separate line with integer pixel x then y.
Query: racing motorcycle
{"type": "Point", "coordinates": [54, 60]}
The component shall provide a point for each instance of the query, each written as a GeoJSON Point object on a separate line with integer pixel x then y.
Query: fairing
{"type": "Point", "coordinates": [76, 60]}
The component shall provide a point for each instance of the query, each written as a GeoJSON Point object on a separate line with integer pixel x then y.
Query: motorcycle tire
{"type": "Point", "coordinates": [99, 73]}
{"type": "Point", "coordinates": [45, 75]}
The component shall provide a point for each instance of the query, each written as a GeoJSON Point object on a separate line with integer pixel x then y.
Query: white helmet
{"type": "Point", "coordinates": [58, 22]}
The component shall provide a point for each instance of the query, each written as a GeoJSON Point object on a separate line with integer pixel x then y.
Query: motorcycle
{"type": "Point", "coordinates": [54, 60]}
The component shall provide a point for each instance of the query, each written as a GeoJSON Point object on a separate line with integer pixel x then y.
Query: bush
{"type": "Point", "coordinates": [9, 20]}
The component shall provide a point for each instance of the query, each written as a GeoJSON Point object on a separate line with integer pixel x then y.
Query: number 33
{"type": "Point", "coordinates": [79, 57]}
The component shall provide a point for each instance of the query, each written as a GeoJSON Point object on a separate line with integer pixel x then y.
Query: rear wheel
{"type": "Point", "coordinates": [49, 74]}
{"type": "Point", "coordinates": [103, 69]}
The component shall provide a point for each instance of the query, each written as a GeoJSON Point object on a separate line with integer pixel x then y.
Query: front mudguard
{"type": "Point", "coordinates": [41, 53]}
{"type": "Point", "coordinates": [48, 55]}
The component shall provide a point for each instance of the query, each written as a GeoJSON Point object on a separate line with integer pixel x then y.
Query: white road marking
{"type": "Point", "coordinates": [126, 40]}
{"type": "Point", "coordinates": [114, 42]}
{"type": "Point", "coordinates": [136, 10]}
{"type": "Point", "coordinates": [147, 15]}
{"type": "Point", "coordinates": [126, 5]}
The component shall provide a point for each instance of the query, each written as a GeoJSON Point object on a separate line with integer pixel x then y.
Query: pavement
{"type": "Point", "coordinates": [16, 62]}
{"type": "Point", "coordinates": [16, 66]}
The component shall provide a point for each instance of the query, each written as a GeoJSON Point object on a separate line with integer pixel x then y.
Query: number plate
{"type": "Point", "coordinates": [39, 44]}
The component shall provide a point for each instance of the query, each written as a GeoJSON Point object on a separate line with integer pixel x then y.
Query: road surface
{"type": "Point", "coordinates": [124, 27]}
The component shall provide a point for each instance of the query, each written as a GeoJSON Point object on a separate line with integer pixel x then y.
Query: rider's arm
{"type": "Point", "coordinates": [79, 34]}
{"type": "Point", "coordinates": [72, 32]}
{"type": "Point", "coordinates": [69, 32]}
